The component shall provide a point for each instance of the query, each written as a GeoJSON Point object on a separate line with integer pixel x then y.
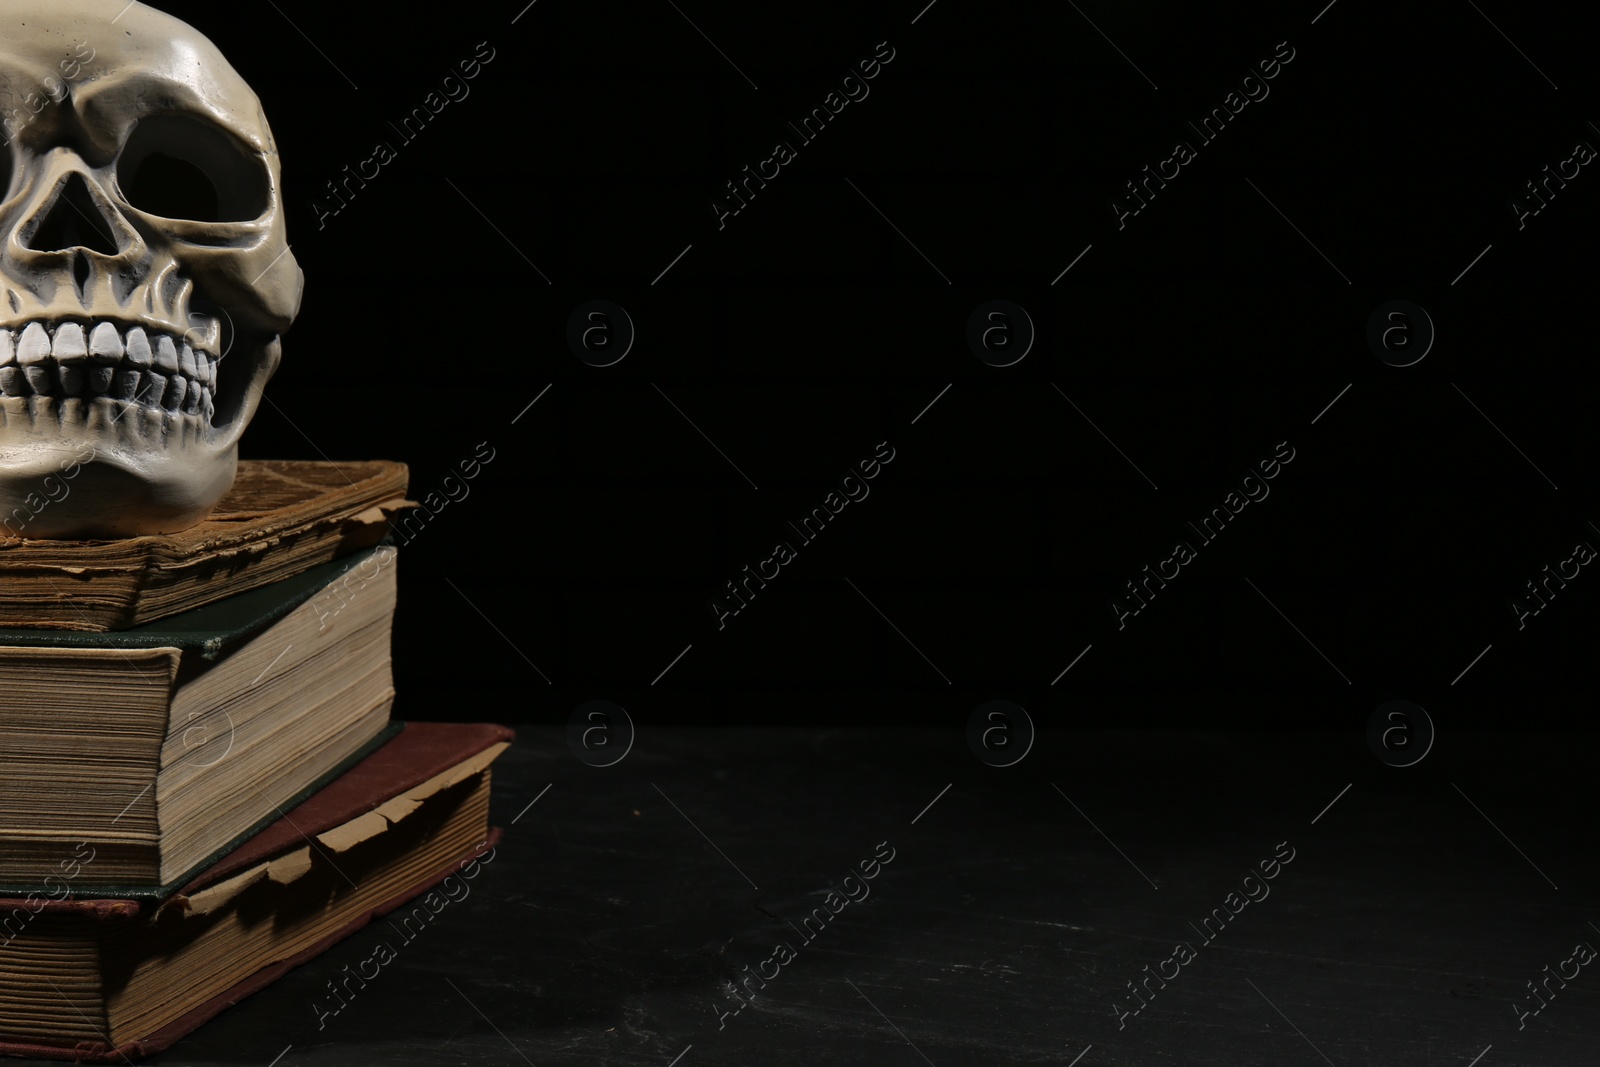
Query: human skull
{"type": "Point", "coordinates": [143, 241]}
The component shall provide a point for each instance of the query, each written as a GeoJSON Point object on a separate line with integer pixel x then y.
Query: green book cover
{"type": "Point", "coordinates": [208, 634]}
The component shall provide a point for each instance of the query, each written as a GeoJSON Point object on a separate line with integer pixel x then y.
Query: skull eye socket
{"type": "Point", "coordinates": [178, 167]}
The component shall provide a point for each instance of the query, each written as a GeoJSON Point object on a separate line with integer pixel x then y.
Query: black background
{"type": "Point", "coordinates": [808, 330]}
{"type": "Point", "coordinates": [830, 315]}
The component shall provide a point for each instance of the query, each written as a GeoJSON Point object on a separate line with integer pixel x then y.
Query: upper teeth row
{"type": "Point", "coordinates": [105, 346]}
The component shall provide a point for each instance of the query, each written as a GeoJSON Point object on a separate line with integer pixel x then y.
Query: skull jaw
{"type": "Point", "coordinates": [61, 483]}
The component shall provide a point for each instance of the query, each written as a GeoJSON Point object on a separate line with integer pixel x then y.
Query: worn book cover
{"type": "Point", "coordinates": [137, 975]}
{"type": "Point", "coordinates": [279, 519]}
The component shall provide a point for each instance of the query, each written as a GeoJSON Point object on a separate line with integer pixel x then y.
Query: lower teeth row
{"type": "Point", "coordinates": [174, 393]}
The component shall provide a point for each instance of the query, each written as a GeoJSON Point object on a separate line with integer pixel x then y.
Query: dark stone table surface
{"type": "Point", "coordinates": [1019, 903]}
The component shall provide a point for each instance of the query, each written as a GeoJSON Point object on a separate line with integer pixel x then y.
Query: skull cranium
{"type": "Point", "coordinates": [142, 240]}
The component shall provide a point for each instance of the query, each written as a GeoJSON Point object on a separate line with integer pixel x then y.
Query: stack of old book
{"type": "Point", "coordinates": [200, 785]}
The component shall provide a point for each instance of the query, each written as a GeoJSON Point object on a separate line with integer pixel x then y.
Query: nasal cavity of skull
{"type": "Point", "coordinates": [74, 221]}
{"type": "Point", "coordinates": [178, 167]}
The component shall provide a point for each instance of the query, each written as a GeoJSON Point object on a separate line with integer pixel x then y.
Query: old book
{"type": "Point", "coordinates": [156, 747]}
{"type": "Point", "coordinates": [280, 518]}
{"type": "Point", "coordinates": [106, 980]}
